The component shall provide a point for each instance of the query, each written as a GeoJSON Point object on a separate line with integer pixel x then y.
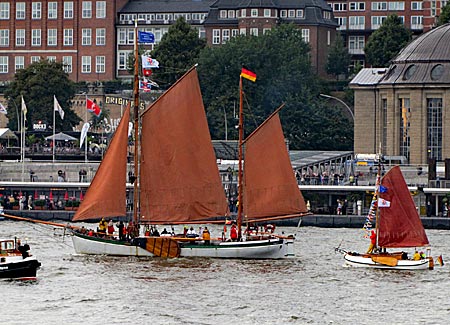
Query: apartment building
{"type": "Point", "coordinates": [357, 20]}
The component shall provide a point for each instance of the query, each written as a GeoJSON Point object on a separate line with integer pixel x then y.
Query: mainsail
{"type": "Point", "coordinates": [179, 177]}
{"type": "Point", "coordinates": [270, 186]}
{"type": "Point", "coordinates": [106, 196]}
{"type": "Point", "coordinates": [399, 224]}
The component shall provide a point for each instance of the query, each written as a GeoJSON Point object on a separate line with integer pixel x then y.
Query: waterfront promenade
{"type": "Point", "coordinates": [319, 220]}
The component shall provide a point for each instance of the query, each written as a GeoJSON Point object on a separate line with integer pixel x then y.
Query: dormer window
{"type": "Point", "coordinates": [254, 12]}
{"type": "Point", "coordinates": [230, 13]}
{"type": "Point", "coordinates": [243, 13]}
{"type": "Point", "coordinates": [327, 15]}
{"type": "Point", "coordinates": [266, 12]}
{"type": "Point", "coordinates": [283, 13]}
{"type": "Point", "coordinates": [223, 14]}
{"type": "Point", "coordinates": [291, 13]}
{"type": "Point", "coordinates": [300, 13]}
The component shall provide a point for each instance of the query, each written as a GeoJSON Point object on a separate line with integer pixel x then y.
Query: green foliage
{"type": "Point", "coordinates": [99, 122]}
{"type": "Point", "coordinates": [338, 59]}
{"type": "Point", "coordinates": [38, 83]}
{"type": "Point", "coordinates": [386, 42]}
{"type": "Point", "coordinates": [177, 52]}
{"type": "Point", "coordinates": [280, 59]}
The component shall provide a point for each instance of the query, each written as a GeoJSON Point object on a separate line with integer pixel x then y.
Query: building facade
{"type": "Point", "coordinates": [404, 108]}
{"type": "Point", "coordinates": [359, 19]}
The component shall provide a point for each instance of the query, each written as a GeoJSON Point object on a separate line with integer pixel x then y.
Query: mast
{"type": "Point", "coordinates": [377, 195]}
{"type": "Point", "coordinates": [136, 124]}
{"type": "Point", "coordinates": [240, 172]}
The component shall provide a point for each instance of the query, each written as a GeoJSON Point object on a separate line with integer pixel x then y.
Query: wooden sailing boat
{"type": "Point", "coordinates": [398, 225]}
{"type": "Point", "coordinates": [179, 182]}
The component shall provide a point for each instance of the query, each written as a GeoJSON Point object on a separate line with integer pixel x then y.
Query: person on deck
{"type": "Point", "coordinates": [416, 256]}
{"type": "Point", "coordinates": [373, 242]}
{"type": "Point", "coordinates": [102, 226]}
{"type": "Point", "coordinates": [233, 232]}
{"type": "Point", "coordinates": [110, 228]}
{"type": "Point", "coordinates": [121, 227]}
{"type": "Point", "coordinates": [422, 255]}
{"type": "Point", "coordinates": [206, 236]}
{"type": "Point", "coordinates": [191, 233]}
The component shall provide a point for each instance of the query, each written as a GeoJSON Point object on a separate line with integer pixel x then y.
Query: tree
{"type": "Point", "coordinates": [38, 83]}
{"type": "Point", "coordinates": [280, 59]}
{"type": "Point", "coordinates": [177, 52]}
{"type": "Point", "coordinates": [444, 17]}
{"type": "Point", "coordinates": [385, 43]}
{"type": "Point", "coordinates": [338, 59]}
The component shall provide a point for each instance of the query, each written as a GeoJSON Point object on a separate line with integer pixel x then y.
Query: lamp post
{"type": "Point", "coordinates": [342, 102]}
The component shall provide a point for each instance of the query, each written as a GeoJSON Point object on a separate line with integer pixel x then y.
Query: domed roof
{"type": "Point", "coordinates": [426, 59]}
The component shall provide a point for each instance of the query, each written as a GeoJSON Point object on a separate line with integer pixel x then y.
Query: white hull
{"type": "Point", "coordinates": [367, 262]}
{"type": "Point", "coordinates": [274, 248]}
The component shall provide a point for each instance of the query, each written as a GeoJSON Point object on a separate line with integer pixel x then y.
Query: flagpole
{"type": "Point", "coordinates": [136, 124]}
{"type": "Point", "coordinates": [23, 142]}
{"type": "Point", "coordinates": [53, 140]}
{"type": "Point", "coordinates": [86, 138]}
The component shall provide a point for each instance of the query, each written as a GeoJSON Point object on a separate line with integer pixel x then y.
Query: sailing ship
{"type": "Point", "coordinates": [179, 183]}
{"type": "Point", "coordinates": [397, 226]}
{"type": "Point", "coordinates": [16, 262]}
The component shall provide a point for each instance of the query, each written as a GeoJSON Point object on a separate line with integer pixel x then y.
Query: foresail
{"type": "Point", "coordinates": [270, 186]}
{"type": "Point", "coordinates": [179, 177]}
{"type": "Point", "coordinates": [106, 196]}
{"type": "Point", "coordinates": [399, 224]}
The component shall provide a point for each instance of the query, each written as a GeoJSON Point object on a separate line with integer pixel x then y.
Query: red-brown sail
{"type": "Point", "coordinates": [106, 195]}
{"type": "Point", "coordinates": [180, 180]}
{"type": "Point", "coordinates": [270, 187]}
{"type": "Point", "coordinates": [399, 224]}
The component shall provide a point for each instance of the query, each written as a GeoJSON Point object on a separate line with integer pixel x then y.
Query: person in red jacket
{"type": "Point", "coordinates": [373, 242]}
{"type": "Point", "coordinates": [233, 232]}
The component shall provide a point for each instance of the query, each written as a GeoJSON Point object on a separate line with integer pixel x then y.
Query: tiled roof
{"type": "Point", "coordinates": [167, 6]}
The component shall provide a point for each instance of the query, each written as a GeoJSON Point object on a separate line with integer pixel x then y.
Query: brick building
{"type": "Point", "coordinates": [359, 19]}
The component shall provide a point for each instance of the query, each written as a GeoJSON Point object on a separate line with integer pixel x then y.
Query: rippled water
{"type": "Point", "coordinates": [313, 288]}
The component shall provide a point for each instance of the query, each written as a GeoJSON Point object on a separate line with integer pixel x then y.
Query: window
{"type": "Point", "coordinates": [100, 36]}
{"type": "Point", "coordinates": [35, 59]}
{"type": "Point", "coordinates": [35, 37]}
{"type": "Point", "coordinates": [36, 9]}
{"type": "Point", "coordinates": [342, 22]}
{"type": "Point", "coordinates": [300, 13]}
{"type": "Point", "coordinates": [20, 37]}
{"type": "Point", "coordinates": [223, 14]}
{"type": "Point", "coordinates": [225, 35]}
{"type": "Point", "coordinates": [416, 5]}
{"type": "Point", "coordinates": [434, 128]}
{"type": "Point", "coordinates": [283, 13]}
{"type": "Point", "coordinates": [291, 13]}
{"type": "Point", "coordinates": [385, 124]}
{"type": "Point", "coordinates": [305, 35]}
{"type": "Point", "coordinates": [68, 37]}
{"type": "Point", "coordinates": [100, 9]}
{"type": "Point", "coordinates": [51, 58]}
{"type": "Point", "coordinates": [122, 60]}
{"type": "Point", "coordinates": [19, 63]}
{"type": "Point", "coordinates": [122, 36]}
{"type": "Point", "coordinates": [356, 22]}
{"type": "Point", "coordinates": [405, 115]}
{"type": "Point", "coordinates": [85, 64]}
{"type": "Point", "coordinates": [4, 12]}
{"type": "Point", "coordinates": [326, 14]}
{"type": "Point", "coordinates": [399, 5]}
{"type": "Point", "coordinates": [266, 12]}
{"type": "Point", "coordinates": [216, 36]}
{"type": "Point", "coordinates": [254, 31]}
{"type": "Point", "coordinates": [242, 12]}
{"type": "Point", "coordinates": [266, 30]}
{"type": "Point", "coordinates": [68, 9]}
{"type": "Point", "coordinates": [86, 9]}
{"type": "Point", "coordinates": [409, 72]}
{"type": "Point", "coordinates": [416, 22]}
{"type": "Point", "coordinates": [67, 64]}
{"type": "Point", "coordinates": [254, 12]}
{"type": "Point", "coordinates": [86, 36]}
{"type": "Point", "coordinates": [52, 10]}
{"type": "Point", "coordinates": [230, 13]}
{"type": "Point", "coordinates": [242, 31]}
{"type": "Point", "coordinates": [20, 10]}
{"type": "Point", "coordinates": [377, 21]}
{"type": "Point", "coordinates": [100, 64]}
{"type": "Point", "coordinates": [3, 64]}
{"type": "Point", "coordinates": [4, 37]}
{"type": "Point", "coordinates": [357, 6]}
{"type": "Point", "coordinates": [437, 72]}
{"type": "Point", "coordinates": [339, 7]}
{"type": "Point", "coordinates": [356, 44]}
{"type": "Point", "coordinates": [52, 37]}
{"type": "Point", "coordinates": [379, 6]}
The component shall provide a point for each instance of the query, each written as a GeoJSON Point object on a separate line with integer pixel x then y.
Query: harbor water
{"type": "Point", "coordinates": [312, 288]}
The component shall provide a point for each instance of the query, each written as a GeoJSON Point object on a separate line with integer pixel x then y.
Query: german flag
{"type": "Point", "coordinates": [247, 74]}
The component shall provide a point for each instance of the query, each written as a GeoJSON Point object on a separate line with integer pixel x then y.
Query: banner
{"type": "Point", "coordinates": [148, 62]}
{"type": "Point", "coordinates": [84, 132]}
{"type": "Point", "coordinates": [146, 37]}
{"type": "Point", "coordinates": [58, 107]}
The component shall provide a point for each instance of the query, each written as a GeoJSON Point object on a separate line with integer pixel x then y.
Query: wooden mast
{"type": "Point", "coordinates": [136, 124]}
{"type": "Point", "coordinates": [240, 172]}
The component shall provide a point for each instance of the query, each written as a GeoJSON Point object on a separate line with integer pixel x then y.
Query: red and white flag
{"type": "Point", "coordinates": [93, 107]}
{"type": "Point", "coordinates": [382, 203]}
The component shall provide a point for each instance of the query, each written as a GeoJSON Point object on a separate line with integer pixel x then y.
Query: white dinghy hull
{"type": "Point", "coordinates": [368, 262]}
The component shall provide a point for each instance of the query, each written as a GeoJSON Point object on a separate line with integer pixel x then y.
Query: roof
{"type": "Point", "coordinates": [7, 134]}
{"type": "Point", "coordinates": [166, 6]}
{"type": "Point", "coordinates": [368, 77]}
{"type": "Point", "coordinates": [60, 137]}
{"type": "Point", "coordinates": [309, 157]}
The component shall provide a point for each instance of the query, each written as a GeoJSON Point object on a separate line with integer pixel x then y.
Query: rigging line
{"type": "Point", "coordinates": [250, 110]}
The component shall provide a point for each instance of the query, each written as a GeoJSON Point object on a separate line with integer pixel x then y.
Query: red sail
{"type": "Point", "coordinates": [270, 187]}
{"type": "Point", "coordinates": [180, 180]}
{"type": "Point", "coordinates": [106, 195]}
{"type": "Point", "coordinates": [399, 224]}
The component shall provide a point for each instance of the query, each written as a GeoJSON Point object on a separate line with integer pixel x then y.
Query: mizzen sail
{"type": "Point", "coordinates": [179, 177]}
{"type": "Point", "coordinates": [399, 224]}
{"type": "Point", "coordinates": [106, 196]}
{"type": "Point", "coordinates": [270, 186]}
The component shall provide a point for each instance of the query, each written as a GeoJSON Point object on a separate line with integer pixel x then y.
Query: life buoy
{"type": "Point", "coordinates": [269, 228]}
